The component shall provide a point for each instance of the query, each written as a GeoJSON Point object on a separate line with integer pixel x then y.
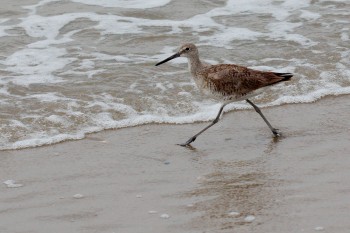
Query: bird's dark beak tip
{"type": "Point", "coordinates": [168, 59]}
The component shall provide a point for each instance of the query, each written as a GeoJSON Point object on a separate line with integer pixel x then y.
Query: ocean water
{"type": "Point", "coordinates": [68, 68]}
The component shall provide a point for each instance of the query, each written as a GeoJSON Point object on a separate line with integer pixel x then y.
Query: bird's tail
{"type": "Point", "coordinates": [285, 76]}
{"type": "Point", "coordinates": [278, 77]}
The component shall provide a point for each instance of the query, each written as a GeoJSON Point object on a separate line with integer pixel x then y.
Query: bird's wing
{"type": "Point", "coordinates": [229, 79]}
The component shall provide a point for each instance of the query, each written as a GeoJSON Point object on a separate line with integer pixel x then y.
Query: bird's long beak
{"type": "Point", "coordinates": [169, 58]}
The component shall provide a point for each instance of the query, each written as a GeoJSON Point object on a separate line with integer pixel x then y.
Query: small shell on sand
{"type": "Point", "coordinates": [78, 196]}
{"type": "Point", "coordinates": [233, 214]}
{"type": "Point", "coordinates": [249, 218]}
{"type": "Point", "coordinates": [165, 216]}
{"type": "Point", "coordinates": [12, 184]}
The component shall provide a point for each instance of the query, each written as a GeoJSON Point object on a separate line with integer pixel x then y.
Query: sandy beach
{"type": "Point", "coordinates": [86, 69]}
{"type": "Point", "coordinates": [137, 180]}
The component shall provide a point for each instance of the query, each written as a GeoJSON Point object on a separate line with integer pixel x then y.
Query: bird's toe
{"type": "Point", "coordinates": [276, 133]}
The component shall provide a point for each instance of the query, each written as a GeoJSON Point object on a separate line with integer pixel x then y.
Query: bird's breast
{"type": "Point", "coordinates": [208, 88]}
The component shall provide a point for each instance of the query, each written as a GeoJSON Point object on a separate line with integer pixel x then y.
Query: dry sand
{"type": "Point", "coordinates": [297, 183]}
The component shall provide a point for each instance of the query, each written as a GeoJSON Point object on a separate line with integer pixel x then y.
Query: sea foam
{"type": "Point", "coordinates": [139, 4]}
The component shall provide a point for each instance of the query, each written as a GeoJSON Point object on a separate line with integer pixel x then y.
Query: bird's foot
{"type": "Point", "coordinates": [189, 141]}
{"type": "Point", "coordinates": [276, 133]}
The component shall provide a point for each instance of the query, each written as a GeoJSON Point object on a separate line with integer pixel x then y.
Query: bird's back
{"type": "Point", "coordinates": [234, 81]}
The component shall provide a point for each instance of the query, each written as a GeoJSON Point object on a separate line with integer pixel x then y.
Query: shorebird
{"type": "Point", "coordinates": [227, 82]}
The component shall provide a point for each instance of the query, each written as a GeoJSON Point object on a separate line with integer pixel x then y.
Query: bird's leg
{"type": "Point", "coordinates": [192, 139]}
{"type": "Point", "coordinates": [257, 109]}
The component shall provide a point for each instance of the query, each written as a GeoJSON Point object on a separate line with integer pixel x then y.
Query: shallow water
{"type": "Point", "coordinates": [68, 68]}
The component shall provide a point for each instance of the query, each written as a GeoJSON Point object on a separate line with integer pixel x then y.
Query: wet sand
{"type": "Point", "coordinates": [297, 183]}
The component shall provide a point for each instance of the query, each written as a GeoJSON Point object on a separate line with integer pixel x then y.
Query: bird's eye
{"type": "Point", "coordinates": [187, 49]}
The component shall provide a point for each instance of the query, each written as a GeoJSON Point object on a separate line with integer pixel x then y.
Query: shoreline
{"type": "Point", "coordinates": [88, 134]}
{"type": "Point", "coordinates": [128, 178]}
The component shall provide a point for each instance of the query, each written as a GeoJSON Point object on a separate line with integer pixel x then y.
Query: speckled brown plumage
{"type": "Point", "coordinates": [236, 81]}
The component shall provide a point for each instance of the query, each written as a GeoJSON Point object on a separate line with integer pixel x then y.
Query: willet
{"type": "Point", "coordinates": [227, 82]}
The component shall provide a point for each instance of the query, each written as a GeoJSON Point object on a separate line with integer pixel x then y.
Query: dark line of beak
{"type": "Point", "coordinates": [168, 59]}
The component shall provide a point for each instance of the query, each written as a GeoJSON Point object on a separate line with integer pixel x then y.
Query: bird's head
{"type": "Point", "coordinates": [187, 50]}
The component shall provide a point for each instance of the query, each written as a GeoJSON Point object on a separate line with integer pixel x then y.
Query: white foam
{"type": "Point", "coordinates": [345, 36]}
{"type": "Point", "coordinates": [230, 34]}
{"type": "Point", "coordinates": [26, 80]}
{"type": "Point", "coordinates": [4, 28]}
{"type": "Point", "coordinates": [282, 30]}
{"type": "Point", "coordinates": [37, 61]}
{"type": "Point", "coordinates": [58, 120]}
{"type": "Point", "coordinates": [45, 27]}
{"type": "Point", "coordinates": [48, 97]}
{"type": "Point", "coordinates": [161, 87]}
{"type": "Point", "coordinates": [308, 15]}
{"type": "Point", "coordinates": [293, 5]}
{"type": "Point", "coordinates": [39, 26]}
{"type": "Point", "coordinates": [279, 30]}
{"type": "Point", "coordinates": [138, 4]}
{"type": "Point", "coordinates": [279, 11]}
{"type": "Point", "coordinates": [333, 1]}
{"type": "Point", "coordinates": [33, 8]}
{"type": "Point", "coordinates": [37, 139]}
{"type": "Point", "coordinates": [87, 64]}
{"type": "Point", "coordinates": [17, 123]}
{"type": "Point", "coordinates": [31, 66]}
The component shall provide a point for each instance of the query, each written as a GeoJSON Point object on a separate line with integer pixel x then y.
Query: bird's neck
{"type": "Point", "coordinates": [194, 65]}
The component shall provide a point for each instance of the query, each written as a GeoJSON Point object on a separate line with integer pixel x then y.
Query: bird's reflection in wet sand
{"type": "Point", "coordinates": [245, 187]}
